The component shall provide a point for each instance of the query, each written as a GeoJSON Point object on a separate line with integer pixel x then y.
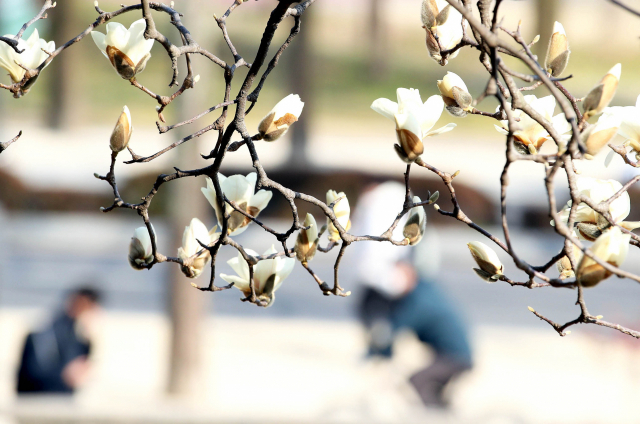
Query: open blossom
{"type": "Point", "coordinates": [268, 274]}
{"type": "Point", "coordinates": [140, 249]}
{"type": "Point", "coordinates": [307, 241]}
{"type": "Point", "coordinates": [413, 119]}
{"type": "Point", "coordinates": [602, 94]}
{"type": "Point", "coordinates": [629, 126]}
{"type": "Point", "coordinates": [277, 122]}
{"type": "Point", "coordinates": [240, 190]}
{"type": "Point", "coordinates": [444, 27]}
{"type": "Point", "coordinates": [121, 132]}
{"type": "Point", "coordinates": [589, 223]}
{"type": "Point", "coordinates": [416, 223]}
{"type": "Point", "coordinates": [558, 52]}
{"type": "Point", "coordinates": [487, 260]}
{"type": "Point", "coordinates": [612, 247]}
{"type": "Point", "coordinates": [455, 94]}
{"type": "Point", "coordinates": [127, 49]}
{"type": "Point", "coordinates": [341, 210]}
{"type": "Point", "coordinates": [531, 135]}
{"type": "Point", "coordinates": [30, 58]}
{"type": "Point", "coordinates": [194, 232]}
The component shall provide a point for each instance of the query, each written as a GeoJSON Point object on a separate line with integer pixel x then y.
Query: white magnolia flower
{"type": "Point", "coordinates": [531, 135]}
{"type": "Point", "coordinates": [629, 126]}
{"type": "Point", "coordinates": [487, 260]}
{"type": "Point", "coordinates": [121, 132]}
{"type": "Point", "coordinates": [238, 189]}
{"type": "Point", "coordinates": [413, 119]}
{"type": "Point", "coordinates": [278, 121]}
{"type": "Point", "coordinates": [589, 223]}
{"type": "Point", "coordinates": [455, 94]}
{"type": "Point", "coordinates": [195, 231]}
{"type": "Point", "coordinates": [30, 58]}
{"type": "Point", "coordinates": [416, 223]}
{"type": "Point", "coordinates": [558, 52]}
{"type": "Point", "coordinates": [597, 136]}
{"type": "Point", "coordinates": [307, 241]}
{"type": "Point", "coordinates": [268, 274]}
{"type": "Point", "coordinates": [612, 247]}
{"type": "Point", "coordinates": [341, 210]}
{"type": "Point", "coordinates": [127, 49]}
{"type": "Point", "coordinates": [140, 249]}
{"type": "Point", "coordinates": [444, 26]}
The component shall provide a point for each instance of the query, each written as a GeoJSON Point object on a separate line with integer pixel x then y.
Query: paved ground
{"type": "Point", "coordinates": [290, 371]}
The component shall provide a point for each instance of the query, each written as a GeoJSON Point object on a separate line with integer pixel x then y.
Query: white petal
{"type": "Point", "coordinates": [442, 130]}
{"type": "Point", "coordinates": [237, 188]}
{"type": "Point", "coordinates": [241, 284]}
{"type": "Point", "coordinates": [432, 110]}
{"type": "Point", "coordinates": [560, 124]}
{"type": "Point", "coordinates": [385, 107]}
{"type": "Point", "coordinates": [500, 129]}
{"type": "Point", "coordinates": [261, 199]}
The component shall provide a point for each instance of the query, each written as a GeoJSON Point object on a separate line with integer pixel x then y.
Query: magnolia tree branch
{"type": "Point", "coordinates": [504, 83]}
{"type": "Point", "coordinates": [4, 146]}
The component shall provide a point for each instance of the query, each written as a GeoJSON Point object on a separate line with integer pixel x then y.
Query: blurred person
{"type": "Point", "coordinates": [55, 360]}
{"type": "Point", "coordinates": [399, 295]}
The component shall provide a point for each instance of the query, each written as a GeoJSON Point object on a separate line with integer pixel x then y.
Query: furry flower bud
{"type": "Point", "coordinates": [121, 132]}
{"type": "Point", "coordinates": [307, 241]}
{"type": "Point", "coordinates": [558, 52]}
{"type": "Point", "coordinates": [602, 94]}
{"type": "Point", "coordinates": [278, 121]}
{"type": "Point", "coordinates": [487, 260]}
{"type": "Point", "coordinates": [455, 94]}
{"type": "Point", "coordinates": [140, 249]}
{"type": "Point", "coordinates": [341, 210]}
{"type": "Point", "coordinates": [416, 223]}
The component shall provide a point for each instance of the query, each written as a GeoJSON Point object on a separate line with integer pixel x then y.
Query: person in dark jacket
{"type": "Point", "coordinates": [398, 294]}
{"type": "Point", "coordinates": [54, 360]}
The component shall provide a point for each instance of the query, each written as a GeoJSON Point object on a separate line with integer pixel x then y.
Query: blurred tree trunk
{"type": "Point", "coordinates": [377, 41]}
{"type": "Point", "coordinates": [187, 305]}
{"type": "Point", "coordinates": [300, 66]}
{"type": "Point", "coordinates": [547, 12]}
{"type": "Point", "coordinates": [60, 92]}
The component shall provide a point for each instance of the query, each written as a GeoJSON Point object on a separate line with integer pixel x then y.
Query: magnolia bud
{"type": "Point", "coordinates": [456, 97]}
{"type": "Point", "coordinates": [307, 241]}
{"type": "Point", "coordinates": [121, 132]}
{"type": "Point", "coordinates": [278, 121]}
{"type": "Point", "coordinates": [558, 52]}
{"type": "Point", "coordinates": [194, 234]}
{"type": "Point", "coordinates": [612, 247]}
{"type": "Point", "coordinates": [600, 96]}
{"type": "Point", "coordinates": [140, 249]}
{"type": "Point", "coordinates": [564, 264]}
{"type": "Point", "coordinates": [487, 260]}
{"type": "Point", "coordinates": [342, 211]}
{"type": "Point", "coordinates": [416, 223]}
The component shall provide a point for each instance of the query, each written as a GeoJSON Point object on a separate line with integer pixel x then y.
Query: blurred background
{"type": "Point", "coordinates": [168, 353]}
